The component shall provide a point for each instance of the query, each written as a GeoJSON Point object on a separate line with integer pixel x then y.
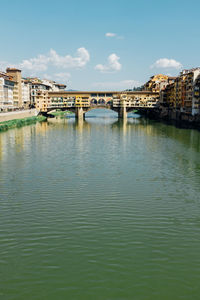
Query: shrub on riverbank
{"type": "Point", "coordinates": [60, 113]}
{"type": "Point", "coordinates": [20, 122]}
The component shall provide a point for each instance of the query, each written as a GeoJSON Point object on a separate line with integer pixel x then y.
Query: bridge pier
{"type": "Point", "coordinates": [79, 113]}
{"type": "Point", "coordinates": [122, 113]}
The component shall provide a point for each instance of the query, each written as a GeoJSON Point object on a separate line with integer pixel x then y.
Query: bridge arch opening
{"type": "Point", "coordinates": [101, 113]}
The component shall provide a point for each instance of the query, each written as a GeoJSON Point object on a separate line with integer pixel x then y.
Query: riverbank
{"type": "Point", "coordinates": [20, 122]}
{"type": "Point", "coordinates": [20, 114]}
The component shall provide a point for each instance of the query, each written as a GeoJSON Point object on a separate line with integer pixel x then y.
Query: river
{"type": "Point", "coordinates": [100, 209]}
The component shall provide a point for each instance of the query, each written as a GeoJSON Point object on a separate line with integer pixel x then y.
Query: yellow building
{"type": "Point", "coordinates": [189, 92]}
{"type": "Point", "coordinates": [169, 96]}
{"type": "Point", "coordinates": [43, 101]}
{"type": "Point", "coordinates": [182, 95]}
{"type": "Point", "coordinates": [157, 83]}
{"type": "Point", "coordinates": [82, 100]}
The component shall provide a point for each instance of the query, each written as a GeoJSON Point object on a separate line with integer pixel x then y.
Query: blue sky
{"type": "Point", "coordinates": [66, 40]}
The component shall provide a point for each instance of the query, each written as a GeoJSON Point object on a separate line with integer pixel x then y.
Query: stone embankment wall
{"type": "Point", "coordinates": [18, 115]}
{"type": "Point", "coordinates": [168, 114]}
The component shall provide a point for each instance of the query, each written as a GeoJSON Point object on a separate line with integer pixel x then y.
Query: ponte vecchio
{"type": "Point", "coordinates": [82, 102]}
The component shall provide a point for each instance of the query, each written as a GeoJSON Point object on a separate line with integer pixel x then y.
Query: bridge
{"type": "Point", "coordinates": [82, 102]}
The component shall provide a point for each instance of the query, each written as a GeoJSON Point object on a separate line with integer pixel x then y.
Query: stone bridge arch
{"type": "Point", "coordinates": [81, 111]}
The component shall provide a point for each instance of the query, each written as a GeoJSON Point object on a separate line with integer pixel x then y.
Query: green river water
{"type": "Point", "coordinates": [101, 209]}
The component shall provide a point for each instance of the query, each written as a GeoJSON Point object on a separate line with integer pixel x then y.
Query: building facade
{"type": "Point", "coordinates": [17, 92]}
{"type": "Point", "coordinates": [183, 94]}
{"type": "Point", "coordinates": [158, 82]}
{"type": "Point", "coordinates": [6, 92]}
{"type": "Point", "coordinates": [25, 94]}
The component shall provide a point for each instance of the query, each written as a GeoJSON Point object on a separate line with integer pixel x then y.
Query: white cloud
{"type": "Point", "coordinates": [118, 85]}
{"type": "Point", "coordinates": [110, 34]}
{"type": "Point", "coordinates": [167, 63]}
{"type": "Point", "coordinates": [113, 35]}
{"type": "Point", "coordinates": [113, 64]}
{"type": "Point", "coordinates": [39, 63]}
{"type": "Point", "coordinates": [42, 62]}
{"type": "Point", "coordinates": [81, 59]}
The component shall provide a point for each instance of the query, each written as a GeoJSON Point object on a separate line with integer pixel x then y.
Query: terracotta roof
{"type": "Point", "coordinates": [6, 76]}
{"type": "Point", "coordinates": [60, 84]}
{"type": "Point", "coordinates": [102, 92]}
{"type": "Point", "coordinates": [12, 70]}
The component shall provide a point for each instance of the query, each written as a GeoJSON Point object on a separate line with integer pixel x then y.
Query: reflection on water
{"type": "Point", "coordinates": [19, 137]}
{"type": "Point", "coordinates": [99, 209]}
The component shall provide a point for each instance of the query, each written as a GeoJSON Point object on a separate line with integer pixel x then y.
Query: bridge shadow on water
{"type": "Point", "coordinates": [101, 113]}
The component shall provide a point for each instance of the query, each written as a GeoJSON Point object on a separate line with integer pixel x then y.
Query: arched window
{"type": "Point", "coordinates": [101, 101]}
{"type": "Point", "coordinates": [94, 101]}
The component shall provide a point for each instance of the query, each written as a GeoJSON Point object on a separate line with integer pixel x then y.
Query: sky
{"type": "Point", "coordinates": [99, 45]}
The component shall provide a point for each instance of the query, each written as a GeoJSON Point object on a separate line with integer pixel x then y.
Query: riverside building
{"type": "Point", "coordinates": [6, 92]}
{"type": "Point", "coordinates": [17, 91]}
{"type": "Point", "coordinates": [158, 83]}
{"type": "Point", "coordinates": [183, 95]}
{"type": "Point", "coordinates": [41, 85]}
{"type": "Point", "coordinates": [20, 93]}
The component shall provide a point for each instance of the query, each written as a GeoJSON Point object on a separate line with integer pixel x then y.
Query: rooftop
{"type": "Point", "coordinates": [102, 92]}
{"type": "Point", "coordinates": [12, 70]}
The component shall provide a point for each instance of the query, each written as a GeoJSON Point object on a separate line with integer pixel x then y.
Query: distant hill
{"type": "Point", "coordinates": [72, 90]}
